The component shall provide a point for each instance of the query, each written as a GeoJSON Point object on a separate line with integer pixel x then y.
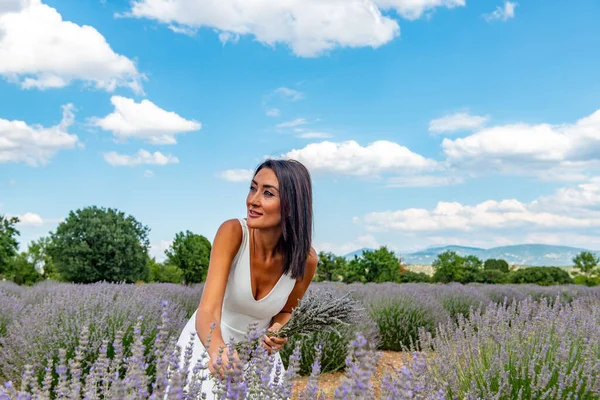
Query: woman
{"type": "Point", "coordinates": [260, 266]}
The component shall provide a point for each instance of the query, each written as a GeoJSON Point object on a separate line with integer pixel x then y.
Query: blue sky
{"type": "Point", "coordinates": [423, 122]}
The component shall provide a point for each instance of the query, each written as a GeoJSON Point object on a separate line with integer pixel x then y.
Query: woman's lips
{"type": "Point", "coordinates": [254, 214]}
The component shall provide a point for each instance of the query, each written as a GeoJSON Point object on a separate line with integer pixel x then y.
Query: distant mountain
{"type": "Point", "coordinates": [350, 256]}
{"type": "Point", "coordinates": [522, 254]}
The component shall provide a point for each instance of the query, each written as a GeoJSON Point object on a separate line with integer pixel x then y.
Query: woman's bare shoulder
{"type": "Point", "coordinates": [230, 233]}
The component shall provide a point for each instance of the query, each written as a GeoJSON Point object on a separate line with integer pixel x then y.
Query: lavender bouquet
{"type": "Point", "coordinates": [317, 313]}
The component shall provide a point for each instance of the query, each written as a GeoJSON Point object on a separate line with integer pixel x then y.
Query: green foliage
{"type": "Point", "coordinates": [22, 272]}
{"type": "Point", "coordinates": [160, 272]}
{"type": "Point", "coordinates": [451, 267]}
{"type": "Point", "coordinates": [95, 244]}
{"type": "Point", "coordinates": [495, 276]}
{"type": "Point", "coordinates": [472, 267]}
{"type": "Point", "coordinates": [494, 264]}
{"type": "Point", "coordinates": [9, 246]}
{"type": "Point", "coordinates": [380, 265]}
{"type": "Point", "coordinates": [330, 267]}
{"type": "Point", "coordinates": [413, 277]}
{"type": "Point", "coordinates": [543, 276]}
{"type": "Point", "coordinates": [586, 280]}
{"type": "Point", "coordinates": [38, 254]}
{"type": "Point", "coordinates": [191, 254]}
{"type": "Point", "coordinates": [587, 264]}
{"type": "Point", "coordinates": [400, 318]}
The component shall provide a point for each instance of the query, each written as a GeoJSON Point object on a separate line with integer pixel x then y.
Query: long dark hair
{"type": "Point", "coordinates": [295, 192]}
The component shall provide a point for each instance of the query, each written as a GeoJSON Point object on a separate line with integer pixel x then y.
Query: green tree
{"type": "Point", "coordinates": [330, 267]}
{"type": "Point", "coordinates": [448, 267]}
{"type": "Point", "coordinates": [587, 264]}
{"type": "Point", "coordinates": [494, 264]}
{"type": "Point", "coordinates": [95, 244]}
{"type": "Point", "coordinates": [190, 253]}
{"type": "Point", "coordinates": [379, 265]}
{"type": "Point", "coordinates": [472, 267]}
{"type": "Point", "coordinates": [543, 276]}
{"type": "Point", "coordinates": [22, 271]}
{"type": "Point", "coordinates": [161, 272]}
{"type": "Point", "coordinates": [38, 254]}
{"type": "Point", "coordinates": [9, 246]}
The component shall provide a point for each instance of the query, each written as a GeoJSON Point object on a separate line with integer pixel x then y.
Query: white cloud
{"type": "Point", "coordinates": [34, 144]}
{"type": "Point", "coordinates": [145, 121]}
{"type": "Point", "coordinates": [30, 219]}
{"type": "Point", "coordinates": [423, 181]}
{"type": "Point", "coordinates": [502, 13]}
{"type": "Point", "coordinates": [237, 175]}
{"type": "Point", "coordinates": [546, 150]}
{"type": "Point", "coordinates": [314, 135]}
{"type": "Point", "coordinates": [157, 250]}
{"type": "Point", "coordinates": [415, 9]}
{"type": "Point", "coordinates": [148, 174]}
{"type": "Point", "coordinates": [292, 124]}
{"type": "Point", "coordinates": [457, 122]}
{"type": "Point", "coordinates": [289, 94]}
{"type": "Point", "coordinates": [567, 208]}
{"type": "Point", "coordinates": [225, 37]}
{"type": "Point", "coordinates": [564, 239]}
{"type": "Point", "coordinates": [273, 112]}
{"type": "Point", "coordinates": [142, 157]}
{"type": "Point", "coordinates": [309, 27]}
{"type": "Point", "coordinates": [33, 220]}
{"type": "Point", "coordinates": [38, 49]}
{"type": "Point", "coordinates": [350, 158]}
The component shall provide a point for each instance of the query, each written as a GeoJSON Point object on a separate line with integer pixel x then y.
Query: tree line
{"type": "Point", "coordinates": [382, 265]}
{"type": "Point", "coordinates": [104, 244]}
{"type": "Point", "coordinates": [100, 244]}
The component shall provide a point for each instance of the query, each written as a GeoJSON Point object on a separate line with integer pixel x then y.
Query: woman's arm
{"type": "Point", "coordinates": [295, 296]}
{"type": "Point", "coordinates": [225, 246]}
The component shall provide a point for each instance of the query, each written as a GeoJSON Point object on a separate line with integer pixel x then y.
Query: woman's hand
{"type": "Point", "coordinates": [274, 344]}
{"type": "Point", "coordinates": [226, 357]}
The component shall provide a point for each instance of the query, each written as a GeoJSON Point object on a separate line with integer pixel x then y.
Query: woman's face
{"type": "Point", "coordinates": [263, 201]}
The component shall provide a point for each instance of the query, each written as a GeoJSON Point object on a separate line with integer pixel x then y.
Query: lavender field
{"type": "Point", "coordinates": [103, 341]}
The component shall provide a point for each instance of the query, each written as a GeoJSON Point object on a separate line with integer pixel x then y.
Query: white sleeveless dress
{"type": "Point", "coordinates": [240, 309]}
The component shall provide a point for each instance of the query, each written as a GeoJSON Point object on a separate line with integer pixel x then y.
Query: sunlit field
{"type": "Point", "coordinates": [417, 341]}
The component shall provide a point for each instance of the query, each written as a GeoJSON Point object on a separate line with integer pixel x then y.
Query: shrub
{"type": "Point", "coordinates": [459, 299]}
{"type": "Point", "coordinates": [400, 317]}
{"type": "Point", "coordinates": [586, 280]}
{"type": "Point", "coordinates": [414, 277]}
{"type": "Point", "coordinates": [498, 265]}
{"type": "Point", "coordinates": [527, 350]}
{"type": "Point", "coordinates": [493, 276]}
{"type": "Point", "coordinates": [152, 371]}
{"type": "Point", "coordinates": [104, 308]}
{"type": "Point", "coordinates": [543, 276]}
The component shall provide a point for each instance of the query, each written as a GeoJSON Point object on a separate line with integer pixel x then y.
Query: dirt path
{"type": "Point", "coordinates": [328, 382]}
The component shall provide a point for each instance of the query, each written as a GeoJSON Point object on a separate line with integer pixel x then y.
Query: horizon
{"type": "Point", "coordinates": [422, 123]}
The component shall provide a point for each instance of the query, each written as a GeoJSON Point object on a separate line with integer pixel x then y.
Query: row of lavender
{"type": "Point", "coordinates": [549, 343]}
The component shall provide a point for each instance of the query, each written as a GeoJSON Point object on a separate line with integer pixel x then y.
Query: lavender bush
{"type": "Point", "coordinates": [56, 321]}
{"type": "Point", "coordinates": [526, 350]}
{"type": "Point", "coordinates": [400, 310]}
{"type": "Point", "coordinates": [118, 341]}
{"type": "Point", "coordinates": [12, 307]}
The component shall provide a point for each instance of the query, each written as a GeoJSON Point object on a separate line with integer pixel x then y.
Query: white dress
{"type": "Point", "coordinates": [240, 309]}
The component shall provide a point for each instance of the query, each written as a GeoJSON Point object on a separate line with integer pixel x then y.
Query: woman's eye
{"type": "Point", "coordinates": [252, 188]}
{"type": "Point", "coordinates": [269, 193]}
